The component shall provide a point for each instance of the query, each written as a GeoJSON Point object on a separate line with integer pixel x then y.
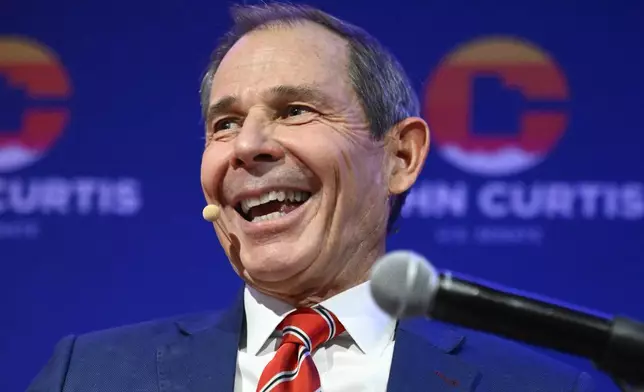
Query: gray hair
{"type": "Point", "coordinates": [379, 81]}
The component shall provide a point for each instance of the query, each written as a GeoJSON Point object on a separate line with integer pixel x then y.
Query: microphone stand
{"type": "Point", "coordinates": [623, 358]}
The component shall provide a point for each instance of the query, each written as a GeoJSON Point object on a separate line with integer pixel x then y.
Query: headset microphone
{"type": "Point", "coordinates": [211, 212]}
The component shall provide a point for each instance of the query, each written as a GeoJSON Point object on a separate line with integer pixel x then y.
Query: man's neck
{"type": "Point", "coordinates": [323, 289]}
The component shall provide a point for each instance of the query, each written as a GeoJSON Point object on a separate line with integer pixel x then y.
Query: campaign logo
{"type": "Point", "coordinates": [496, 106]}
{"type": "Point", "coordinates": [33, 88]}
{"type": "Point", "coordinates": [34, 91]}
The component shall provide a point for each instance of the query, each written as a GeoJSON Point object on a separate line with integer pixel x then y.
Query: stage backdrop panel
{"type": "Point", "coordinates": [535, 178]}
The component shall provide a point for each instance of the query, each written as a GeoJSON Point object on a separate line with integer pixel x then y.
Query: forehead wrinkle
{"type": "Point", "coordinates": [328, 50]}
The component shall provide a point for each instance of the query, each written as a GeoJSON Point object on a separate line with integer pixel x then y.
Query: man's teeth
{"type": "Point", "coordinates": [272, 215]}
{"type": "Point", "coordinates": [293, 196]}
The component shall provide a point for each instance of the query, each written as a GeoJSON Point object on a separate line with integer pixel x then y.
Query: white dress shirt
{"type": "Point", "coordinates": [357, 360]}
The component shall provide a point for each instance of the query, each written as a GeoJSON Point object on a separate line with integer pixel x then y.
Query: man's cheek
{"type": "Point", "coordinates": [207, 185]}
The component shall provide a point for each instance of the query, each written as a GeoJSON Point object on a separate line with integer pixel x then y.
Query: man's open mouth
{"type": "Point", "coordinates": [271, 205]}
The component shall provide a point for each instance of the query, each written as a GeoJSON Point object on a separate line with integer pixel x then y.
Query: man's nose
{"type": "Point", "coordinates": [255, 145]}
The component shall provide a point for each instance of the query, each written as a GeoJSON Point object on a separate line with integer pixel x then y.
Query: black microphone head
{"type": "Point", "coordinates": [404, 284]}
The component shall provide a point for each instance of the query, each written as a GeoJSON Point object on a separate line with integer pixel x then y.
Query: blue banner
{"type": "Point", "coordinates": [535, 178]}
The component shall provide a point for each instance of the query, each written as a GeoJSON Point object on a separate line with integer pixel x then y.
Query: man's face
{"type": "Point", "coordinates": [290, 160]}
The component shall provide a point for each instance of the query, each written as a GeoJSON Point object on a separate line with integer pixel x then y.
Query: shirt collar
{"type": "Point", "coordinates": [369, 327]}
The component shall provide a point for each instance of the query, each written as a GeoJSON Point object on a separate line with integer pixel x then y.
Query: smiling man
{"type": "Point", "coordinates": [313, 140]}
{"type": "Point", "coordinates": [305, 182]}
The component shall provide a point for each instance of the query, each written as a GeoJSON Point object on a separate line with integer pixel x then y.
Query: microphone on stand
{"type": "Point", "coordinates": [405, 284]}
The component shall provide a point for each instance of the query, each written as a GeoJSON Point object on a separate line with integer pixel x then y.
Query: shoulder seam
{"type": "Point", "coordinates": [69, 360]}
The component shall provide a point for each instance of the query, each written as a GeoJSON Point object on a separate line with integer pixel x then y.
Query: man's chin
{"type": "Point", "coordinates": [274, 272]}
{"type": "Point", "coordinates": [269, 273]}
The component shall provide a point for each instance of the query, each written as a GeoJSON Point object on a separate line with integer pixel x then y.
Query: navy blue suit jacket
{"type": "Point", "coordinates": [197, 353]}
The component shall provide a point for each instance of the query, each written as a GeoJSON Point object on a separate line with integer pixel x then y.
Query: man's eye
{"type": "Point", "coordinates": [226, 123]}
{"type": "Point", "coordinates": [296, 110]}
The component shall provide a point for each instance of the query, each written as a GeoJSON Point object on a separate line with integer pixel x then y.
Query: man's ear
{"type": "Point", "coordinates": [408, 147]}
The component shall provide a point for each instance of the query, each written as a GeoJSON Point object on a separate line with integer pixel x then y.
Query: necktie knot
{"type": "Point", "coordinates": [310, 327]}
{"type": "Point", "coordinates": [292, 369]}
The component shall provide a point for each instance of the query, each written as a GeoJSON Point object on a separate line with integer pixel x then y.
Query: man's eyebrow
{"type": "Point", "coordinates": [223, 105]}
{"type": "Point", "coordinates": [302, 93]}
{"type": "Point", "coordinates": [275, 96]}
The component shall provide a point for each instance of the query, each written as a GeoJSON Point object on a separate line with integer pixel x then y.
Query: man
{"type": "Point", "coordinates": [312, 141]}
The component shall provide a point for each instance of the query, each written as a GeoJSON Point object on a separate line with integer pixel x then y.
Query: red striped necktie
{"type": "Point", "coordinates": [292, 369]}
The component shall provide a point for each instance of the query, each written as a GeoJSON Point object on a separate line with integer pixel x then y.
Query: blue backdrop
{"type": "Point", "coordinates": [535, 179]}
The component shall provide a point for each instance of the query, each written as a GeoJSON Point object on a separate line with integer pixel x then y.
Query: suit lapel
{"type": "Point", "coordinates": [204, 357]}
{"type": "Point", "coordinates": [426, 361]}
